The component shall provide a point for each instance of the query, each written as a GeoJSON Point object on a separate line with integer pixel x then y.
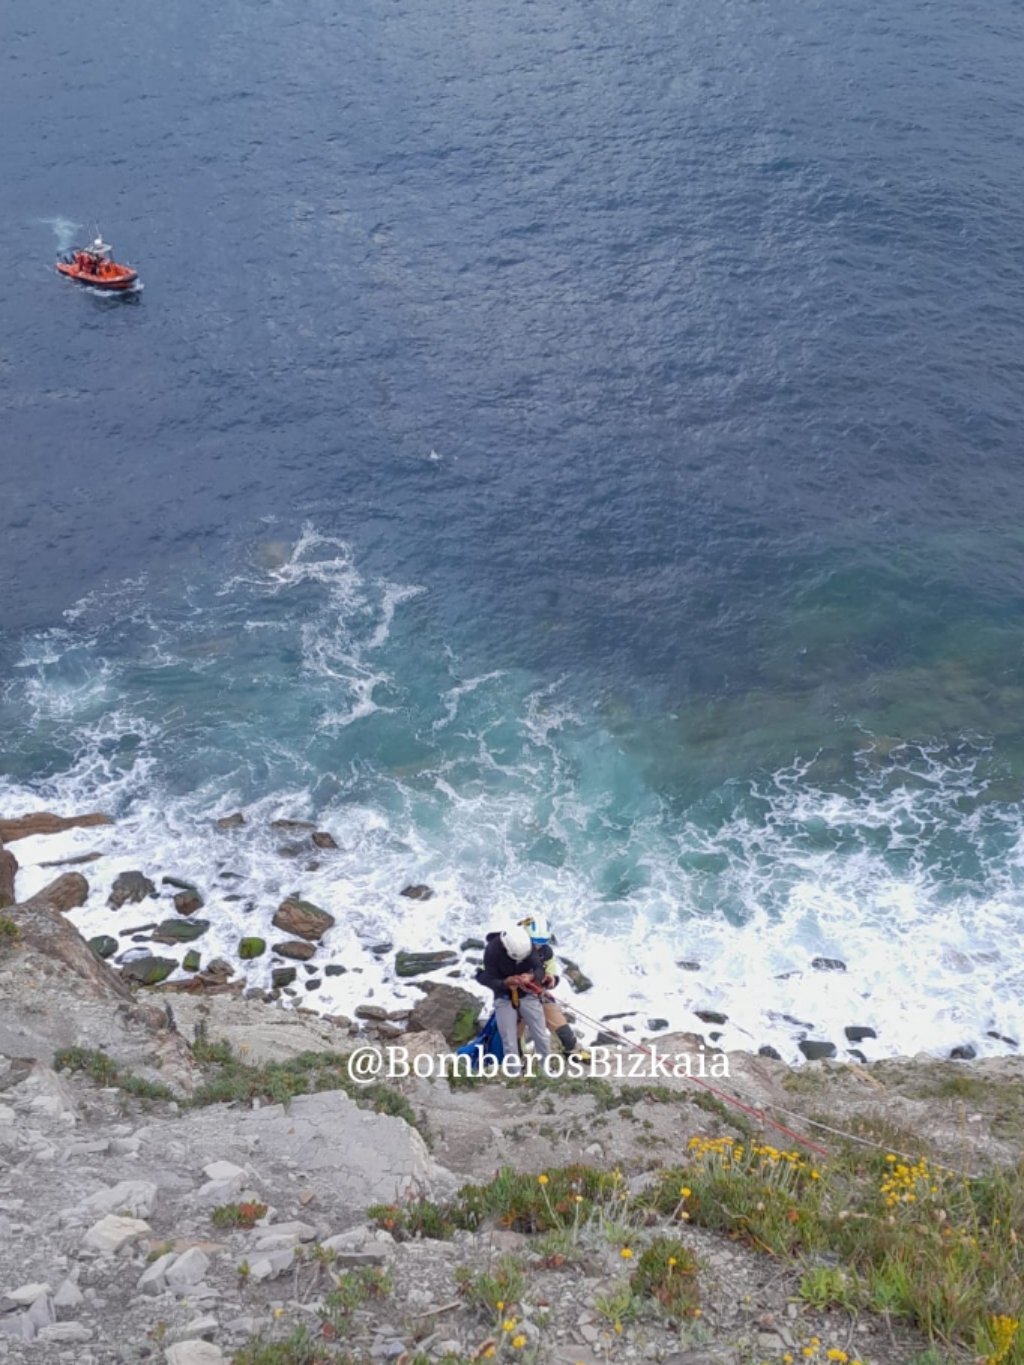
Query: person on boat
{"type": "Point", "coordinates": [514, 971]}
{"type": "Point", "coordinates": [554, 1016]}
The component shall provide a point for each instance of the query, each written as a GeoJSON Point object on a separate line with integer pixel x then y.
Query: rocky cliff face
{"type": "Point", "coordinates": [157, 1202]}
{"type": "Point", "coordinates": [56, 993]}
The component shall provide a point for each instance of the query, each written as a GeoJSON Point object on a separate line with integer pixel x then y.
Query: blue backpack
{"type": "Point", "coordinates": [487, 1043]}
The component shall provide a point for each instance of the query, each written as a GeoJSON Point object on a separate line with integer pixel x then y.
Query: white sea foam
{"type": "Point", "coordinates": [518, 799]}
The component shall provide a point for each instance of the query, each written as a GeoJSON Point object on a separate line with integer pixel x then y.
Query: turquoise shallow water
{"type": "Point", "coordinates": [570, 452]}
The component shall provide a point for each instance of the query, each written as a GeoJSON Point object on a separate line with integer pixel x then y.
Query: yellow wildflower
{"type": "Point", "coordinates": [509, 1325]}
{"type": "Point", "coordinates": [685, 1192]}
{"type": "Point", "coordinates": [518, 1342]}
{"type": "Point", "coordinates": [626, 1254]}
{"type": "Point", "coordinates": [542, 1180]}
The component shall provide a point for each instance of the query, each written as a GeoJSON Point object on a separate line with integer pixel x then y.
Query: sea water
{"type": "Point", "coordinates": [571, 454]}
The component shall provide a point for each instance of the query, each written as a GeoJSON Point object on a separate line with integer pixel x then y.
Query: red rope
{"type": "Point", "coordinates": [758, 1114]}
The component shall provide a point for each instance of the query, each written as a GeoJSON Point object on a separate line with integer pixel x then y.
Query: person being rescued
{"type": "Point", "coordinates": [554, 1017]}
{"type": "Point", "coordinates": [514, 971]}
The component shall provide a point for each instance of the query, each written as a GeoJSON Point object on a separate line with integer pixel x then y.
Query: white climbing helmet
{"type": "Point", "coordinates": [516, 942]}
{"type": "Point", "coordinates": [536, 927]}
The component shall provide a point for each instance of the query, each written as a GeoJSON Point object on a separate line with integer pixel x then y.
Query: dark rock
{"type": "Point", "coordinates": [179, 884]}
{"type": "Point", "coordinates": [790, 1019]}
{"type": "Point", "coordinates": [448, 1010]}
{"type": "Point", "coordinates": [8, 872]}
{"type": "Point", "coordinates": [142, 938]}
{"type": "Point", "coordinates": [229, 876]}
{"type": "Point", "coordinates": [180, 930]}
{"type": "Point", "coordinates": [623, 1014]}
{"type": "Point", "coordinates": [374, 1013]}
{"type": "Point", "coordinates": [816, 1050]}
{"type": "Point", "coordinates": [309, 968]}
{"type": "Point", "coordinates": [418, 892]}
{"type": "Point", "coordinates": [219, 968]}
{"type": "Point", "coordinates": [249, 948]}
{"type": "Point", "coordinates": [314, 985]}
{"type": "Point", "coordinates": [604, 1039]}
{"type": "Point", "coordinates": [324, 840]}
{"type": "Point", "coordinates": [103, 945]}
{"type": "Point", "coordinates": [295, 948]}
{"type": "Point", "coordinates": [965, 1053]}
{"type": "Point", "coordinates": [335, 969]}
{"type": "Point", "coordinates": [188, 902]}
{"type": "Point", "coordinates": [828, 964]}
{"type": "Point", "coordinates": [711, 1017]}
{"type": "Point", "coordinates": [138, 929]}
{"type": "Point", "coordinates": [415, 964]}
{"type": "Point", "coordinates": [856, 1054]}
{"type": "Point", "coordinates": [302, 919]}
{"type": "Point", "coordinates": [856, 1034]}
{"type": "Point", "coordinates": [575, 977]}
{"type": "Point", "coordinates": [468, 944]}
{"type": "Point", "coordinates": [191, 961]}
{"type": "Point", "coordinates": [130, 888]}
{"type": "Point", "coordinates": [1002, 1038]}
{"type": "Point", "coordinates": [766, 1050]}
{"type": "Point", "coordinates": [293, 826]}
{"type": "Point", "coordinates": [381, 949]}
{"type": "Point", "coordinates": [689, 966]}
{"type": "Point", "coordinates": [44, 823]}
{"type": "Point", "coordinates": [656, 1025]}
{"type": "Point", "coordinates": [235, 821]}
{"type": "Point", "coordinates": [76, 861]}
{"type": "Point", "coordinates": [283, 976]}
{"type": "Point", "coordinates": [147, 971]}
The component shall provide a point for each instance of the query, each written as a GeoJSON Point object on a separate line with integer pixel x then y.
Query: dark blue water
{"type": "Point", "coordinates": [583, 440]}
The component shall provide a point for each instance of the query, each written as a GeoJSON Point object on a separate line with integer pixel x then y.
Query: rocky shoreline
{"type": "Point", "coordinates": [134, 1119]}
{"type": "Point", "coordinates": [161, 922]}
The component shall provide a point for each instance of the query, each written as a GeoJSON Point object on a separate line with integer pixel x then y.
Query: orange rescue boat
{"type": "Point", "coordinates": [95, 265]}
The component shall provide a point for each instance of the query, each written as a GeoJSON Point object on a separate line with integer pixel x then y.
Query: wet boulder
{"type": "Point", "coordinates": [416, 964]}
{"type": "Point", "coordinates": [148, 971]}
{"type": "Point", "coordinates": [828, 964]}
{"type": "Point", "coordinates": [188, 902]}
{"type": "Point", "coordinates": [816, 1049]}
{"type": "Point", "coordinates": [302, 919]}
{"type": "Point", "coordinates": [249, 948]}
{"type": "Point", "coordinates": [417, 892]}
{"type": "Point", "coordinates": [180, 930]}
{"type": "Point", "coordinates": [856, 1034]}
{"type": "Point", "coordinates": [129, 889]}
{"type": "Point", "coordinates": [298, 949]}
{"type": "Point", "coordinates": [103, 945]}
{"type": "Point", "coordinates": [578, 980]}
{"type": "Point", "coordinates": [448, 1010]}
{"type": "Point", "coordinates": [711, 1016]}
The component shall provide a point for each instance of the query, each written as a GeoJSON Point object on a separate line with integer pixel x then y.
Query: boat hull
{"type": "Point", "coordinates": [114, 278]}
